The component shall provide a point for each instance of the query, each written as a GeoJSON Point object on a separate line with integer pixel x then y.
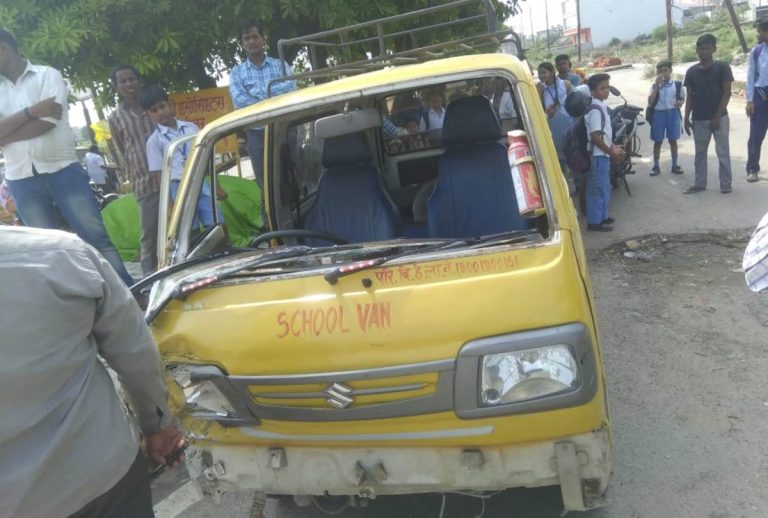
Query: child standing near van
{"type": "Point", "coordinates": [600, 136]}
{"type": "Point", "coordinates": [155, 101]}
{"type": "Point", "coordinates": [665, 99]}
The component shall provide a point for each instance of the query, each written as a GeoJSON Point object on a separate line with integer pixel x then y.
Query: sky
{"type": "Point", "coordinates": [534, 12]}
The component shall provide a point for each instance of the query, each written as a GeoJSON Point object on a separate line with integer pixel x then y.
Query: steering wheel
{"type": "Point", "coordinates": [298, 232]}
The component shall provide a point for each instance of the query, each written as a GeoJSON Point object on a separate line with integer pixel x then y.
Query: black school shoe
{"type": "Point", "coordinates": [600, 227]}
{"type": "Point", "coordinates": [677, 170]}
{"type": "Point", "coordinates": [609, 221]}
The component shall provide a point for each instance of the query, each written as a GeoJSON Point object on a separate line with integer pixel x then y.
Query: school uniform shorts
{"type": "Point", "coordinates": [665, 124]}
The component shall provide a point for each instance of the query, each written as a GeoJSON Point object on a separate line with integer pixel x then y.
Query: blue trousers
{"type": "Point", "coordinates": [38, 197]}
{"type": "Point", "coordinates": [204, 213]}
{"type": "Point", "coordinates": [758, 124]}
{"type": "Point", "coordinates": [598, 190]}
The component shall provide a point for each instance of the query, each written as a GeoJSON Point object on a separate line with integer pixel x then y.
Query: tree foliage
{"type": "Point", "coordinates": [181, 44]}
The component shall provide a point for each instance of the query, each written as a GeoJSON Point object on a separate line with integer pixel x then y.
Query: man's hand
{"type": "Point", "coordinates": [161, 444]}
{"type": "Point", "coordinates": [750, 109]}
{"type": "Point", "coordinates": [617, 153]}
{"type": "Point", "coordinates": [714, 123]}
{"type": "Point", "coordinates": [221, 194]}
{"type": "Point", "coordinates": [46, 108]}
{"type": "Point", "coordinates": [688, 127]}
{"type": "Point", "coordinates": [679, 103]}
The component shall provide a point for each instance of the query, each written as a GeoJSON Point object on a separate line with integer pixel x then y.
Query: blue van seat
{"type": "Point", "coordinates": [475, 194]}
{"type": "Point", "coordinates": [351, 200]}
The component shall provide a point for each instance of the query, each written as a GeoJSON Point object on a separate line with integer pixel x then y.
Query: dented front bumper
{"type": "Point", "coordinates": [580, 464]}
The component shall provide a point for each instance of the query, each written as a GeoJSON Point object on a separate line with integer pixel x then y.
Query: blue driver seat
{"type": "Point", "coordinates": [351, 200]}
{"type": "Point", "coordinates": [475, 194]}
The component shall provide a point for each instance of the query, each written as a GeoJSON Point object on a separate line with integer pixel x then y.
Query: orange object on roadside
{"type": "Point", "coordinates": [523, 170]}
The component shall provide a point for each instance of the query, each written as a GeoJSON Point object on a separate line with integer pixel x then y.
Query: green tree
{"type": "Point", "coordinates": [660, 32]}
{"type": "Point", "coordinates": [181, 44]}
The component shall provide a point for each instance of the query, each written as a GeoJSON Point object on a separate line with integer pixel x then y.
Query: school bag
{"type": "Point", "coordinates": [578, 153]}
{"type": "Point", "coordinates": [650, 110]}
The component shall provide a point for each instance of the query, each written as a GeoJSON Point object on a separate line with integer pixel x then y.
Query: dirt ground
{"type": "Point", "coordinates": [684, 350]}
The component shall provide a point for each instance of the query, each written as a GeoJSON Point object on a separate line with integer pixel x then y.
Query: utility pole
{"type": "Point", "coordinates": [530, 19]}
{"type": "Point", "coordinates": [736, 25]}
{"type": "Point", "coordinates": [669, 30]}
{"type": "Point", "coordinates": [578, 27]}
{"type": "Point", "coordinates": [546, 16]}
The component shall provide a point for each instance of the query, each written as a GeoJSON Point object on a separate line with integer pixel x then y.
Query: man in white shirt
{"type": "Point", "coordinates": [435, 115]}
{"type": "Point", "coordinates": [600, 135]}
{"type": "Point", "coordinates": [41, 165]}
{"type": "Point", "coordinates": [94, 164]}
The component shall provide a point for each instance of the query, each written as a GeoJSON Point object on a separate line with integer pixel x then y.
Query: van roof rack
{"type": "Point", "coordinates": [388, 41]}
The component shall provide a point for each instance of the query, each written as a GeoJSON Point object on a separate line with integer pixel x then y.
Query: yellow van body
{"type": "Point", "coordinates": [375, 385]}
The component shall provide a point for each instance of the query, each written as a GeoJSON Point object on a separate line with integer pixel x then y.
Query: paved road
{"type": "Point", "coordinates": [681, 338]}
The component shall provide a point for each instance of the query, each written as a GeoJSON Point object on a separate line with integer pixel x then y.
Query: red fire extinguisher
{"type": "Point", "coordinates": [523, 170]}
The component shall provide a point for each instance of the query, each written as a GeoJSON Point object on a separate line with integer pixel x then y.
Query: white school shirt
{"type": "Point", "coordinates": [762, 68]}
{"type": "Point", "coordinates": [93, 164]}
{"type": "Point", "coordinates": [556, 94]}
{"type": "Point", "coordinates": [435, 120]}
{"type": "Point", "coordinates": [507, 106]}
{"type": "Point", "coordinates": [667, 96]}
{"type": "Point", "coordinates": [595, 122]}
{"type": "Point", "coordinates": [159, 141]}
{"type": "Point", "coordinates": [51, 151]}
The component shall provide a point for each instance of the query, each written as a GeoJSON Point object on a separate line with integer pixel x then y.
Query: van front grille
{"type": "Point", "coordinates": [398, 391]}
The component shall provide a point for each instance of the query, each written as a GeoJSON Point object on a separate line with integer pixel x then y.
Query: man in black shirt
{"type": "Point", "coordinates": [709, 89]}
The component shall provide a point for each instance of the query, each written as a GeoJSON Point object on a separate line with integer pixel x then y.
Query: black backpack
{"type": "Point", "coordinates": [578, 153]}
{"type": "Point", "coordinates": [650, 110]}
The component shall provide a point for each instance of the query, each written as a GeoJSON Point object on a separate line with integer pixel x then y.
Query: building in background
{"type": "Point", "coordinates": [604, 20]}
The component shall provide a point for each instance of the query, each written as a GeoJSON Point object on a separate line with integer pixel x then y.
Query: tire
{"type": "Point", "coordinates": [615, 179]}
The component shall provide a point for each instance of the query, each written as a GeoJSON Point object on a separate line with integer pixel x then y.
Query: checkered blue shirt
{"type": "Point", "coordinates": [249, 83]}
{"type": "Point", "coordinates": [756, 258]}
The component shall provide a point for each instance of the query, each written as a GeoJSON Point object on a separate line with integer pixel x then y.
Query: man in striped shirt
{"type": "Point", "coordinates": [249, 84]}
{"type": "Point", "coordinates": [756, 258]}
{"type": "Point", "coordinates": [130, 127]}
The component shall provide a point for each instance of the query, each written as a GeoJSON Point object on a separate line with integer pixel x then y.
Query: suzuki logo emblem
{"type": "Point", "coordinates": [338, 395]}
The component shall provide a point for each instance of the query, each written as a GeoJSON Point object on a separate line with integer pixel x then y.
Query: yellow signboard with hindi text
{"type": "Point", "coordinates": [203, 106]}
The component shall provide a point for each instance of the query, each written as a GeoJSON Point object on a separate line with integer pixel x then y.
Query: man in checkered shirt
{"type": "Point", "coordinates": [249, 84]}
{"type": "Point", "coordinates": [756, 258]}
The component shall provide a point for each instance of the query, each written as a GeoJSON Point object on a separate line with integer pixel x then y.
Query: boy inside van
{"type": "Point", "coordinates": [598, 124]}
{"type": "Point", "coordinates": [666, 98]}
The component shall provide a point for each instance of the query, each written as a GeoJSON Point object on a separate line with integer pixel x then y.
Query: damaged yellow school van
{"type": "Point", "coordinates": [417, 314]}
